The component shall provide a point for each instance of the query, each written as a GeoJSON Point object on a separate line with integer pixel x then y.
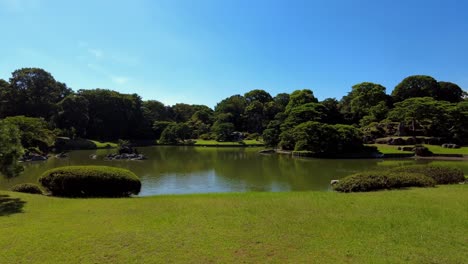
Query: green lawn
{"type": "Point", "coordinates": [247, 142]}
{"type": "Point", "coordinates": [389, 149]}
{"type": "Point", "coordinates": [102, 145]}
{"type": "Point", "coordinates": [406, 226]}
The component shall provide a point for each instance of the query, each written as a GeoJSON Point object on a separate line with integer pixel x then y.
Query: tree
{"type": "Point", "coordinates": [258, 95]}
{"type": "Point", "coordinates": [33, 92]}
{"type": "Point", "coordinates": [300, 97]}
{"type": "Point", "coordinates": [73, 114]}
{"type": "Point", "coordinates": [425, 112]}
{"type": "Point", "coordinates": [114, 115]}
{"type": "Point", "coordinates": [34, 132]}
{"type": "Point", "coordinates": [223, 131]}
{"type": "Point", "coordinates": [155, 111]}
{"type": "Point", "coordinates": [10, 150]}
{"type": "Point", "coordinates": [450, 92]}
{"type": "Point", "coordinates": [234, 108]}
{"type": "Point", "coordinates": [361, 99]}
{"type": "Point", "coordinates": [303, 113]}
{"type": "Point", "coordinates": [332, 111]}
{"type": "Point", "coordinates": [416, 86]}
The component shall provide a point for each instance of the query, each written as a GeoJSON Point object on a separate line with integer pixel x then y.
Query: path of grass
{"type": "Point", "coordinates": [247, 142]}
{"type": "Point", "coordinates": [103, 145]}
{"type": "Point", "coordinates": [390, 149]}
{"type": "Point", "coordinates": [409, 226]}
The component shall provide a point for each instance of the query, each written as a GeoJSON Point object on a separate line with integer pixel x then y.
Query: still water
{"type": "Point", "coordinates": [177, 170]}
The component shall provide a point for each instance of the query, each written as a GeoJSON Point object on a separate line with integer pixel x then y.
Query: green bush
{"type": "Point", "coordinates": [441, 175]}
{"type": "Point", "coordinates": [380, 180]}
{"type": "Point", "coordinates": [90, 181]}
{"type": "Point", "coordinates": [27, 188]}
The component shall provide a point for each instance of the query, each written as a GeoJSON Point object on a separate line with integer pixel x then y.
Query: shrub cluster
{"type": "Point", "coordinates": [27, 188]}
{"type": "Point", "coordinates": [441, 175]}
{"type": "Point", "coordinates": [90, 181]}
{"type": "Point", "coordinates": [380, 180]}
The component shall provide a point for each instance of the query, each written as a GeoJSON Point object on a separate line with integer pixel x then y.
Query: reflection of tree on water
{"type": "Point", "coordinates": [198, 169]}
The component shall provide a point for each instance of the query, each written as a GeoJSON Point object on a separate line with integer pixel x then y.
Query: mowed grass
{"type": "Point", "coordinates": [103, 145]}
{"type": "Point", "coordinates": [247, 142]}
{"type": "Point", "coordinates": [405, 226]}
{"type": "Point", "coordinates": [389, 149]}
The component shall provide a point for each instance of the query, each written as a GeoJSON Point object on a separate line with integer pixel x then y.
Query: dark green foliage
{"type": "Point", "coordinates": [441, 175]}
{"type": "Point", "coordinates": [323, 138]}
{"type": "Point", "coordinates": [73, 114]}
{"type": "Point", "coordinates": [382, 180]}
{"type": "Point", "coordinates": [113, 115]}
{"type": "Point", "coordinates": [359, 102]}
{"type": "Point", "coordinates": [33, 92]}
{"type": "Point", "coordinates": [10, 150]}
{"type": "Point", "coordinates": [223, 131]}
{"type": "Point", "coordinates": [231, 110]}
{"type": "Point", "coordinates": [27, 188]}
{"type": "Point", "coordinates": [450, 92]}
{"type": "Point", "coordinates": [416, 86]}
{"type": "Point", "coordinates": [90, 181]}
{"type": "Point", "coordinates": [300, 97]}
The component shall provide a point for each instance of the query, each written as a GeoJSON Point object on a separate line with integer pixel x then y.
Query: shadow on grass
{"type": "Point", "coordinates": [10, 205]}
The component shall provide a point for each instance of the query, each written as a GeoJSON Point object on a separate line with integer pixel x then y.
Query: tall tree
{"type": "Point", "coordinates": [416, 86]}
{"type": "Point", "coordinates": [73, 114]}
{"type": "Point", "coordinates": [300, 97]}
{"type": "Point", "coordinates": [450, 92]}
{"type": "Point", "coordinates": [361, 99]}
{"type": "Point", "coordinates": [33, 92]}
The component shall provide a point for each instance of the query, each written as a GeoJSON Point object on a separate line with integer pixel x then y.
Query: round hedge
{"type": "Point", "coordinates": [380, 180]}
{"type": "Point", "coordinates": [27, 188]}
{"type": "Point", "coordinates": [90, 181]}
{"type": "Point", "coordinates": [441, 175]}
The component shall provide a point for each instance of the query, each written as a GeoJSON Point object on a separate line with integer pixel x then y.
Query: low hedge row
{"type": "Point", "coordinates": [90, 181]}
{"type": "Point", "coordinates": [400, 177]}
{"type": "Point", "coordinates": [380, 180]}
{"type": "Point", "coordinates": [441, 175]}
{"type": "Point", "coordinates": [27, 188]}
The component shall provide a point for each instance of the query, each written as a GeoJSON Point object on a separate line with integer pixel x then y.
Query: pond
{"type": "Point", "coordinates": [182, 170]}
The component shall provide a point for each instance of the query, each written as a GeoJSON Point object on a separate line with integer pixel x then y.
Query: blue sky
{"type": "Point", "coordinates": [202, 51]}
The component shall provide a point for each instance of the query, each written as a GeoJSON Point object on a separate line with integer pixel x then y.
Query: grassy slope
{"type": "Point", "coordinates": [416, 226]}
{"type": "Point", "coordinates": [388, 149]}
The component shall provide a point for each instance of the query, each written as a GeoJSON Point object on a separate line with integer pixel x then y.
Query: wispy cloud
{"type": "Point", "coordinates": [120, 80]}
{"type": "Point", "coordinates": [97, 53]}
{"type": "Point", "coordinates": [115, 78]}
{"type": "Point", "coordinates": [18, 5]}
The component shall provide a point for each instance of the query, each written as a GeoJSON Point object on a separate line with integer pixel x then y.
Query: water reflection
{"type": "Point", "coordinates": [176, 170]}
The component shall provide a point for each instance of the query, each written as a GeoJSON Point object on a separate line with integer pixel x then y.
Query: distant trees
{"type": "Point", "coordinates": [43, 108]}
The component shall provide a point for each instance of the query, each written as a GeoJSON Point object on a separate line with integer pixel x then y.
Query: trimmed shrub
{"type": "Point", "coordinates": [27, 188]}
{"type": "Point", "coordinates": [90, 181]}
{"type": "Point", "coordinates": [381, 180]}
{"type": "Point", "coordinates": [441, 175]}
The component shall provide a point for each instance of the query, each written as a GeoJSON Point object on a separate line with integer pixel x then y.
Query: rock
{"type": "Point", "coordinates": [333, 182]}
{"type": "Point", "coordinates": [422, 152]}
{"type": "Point", "coordinates": [61, 155]}
{"type": "Point", "coordinates": [267, 151]}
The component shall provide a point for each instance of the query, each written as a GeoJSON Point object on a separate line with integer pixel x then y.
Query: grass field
{"type": "Point", "coordinates": [389, 149]}
{"type": "Point", "coordinates": [406, 226]}
{"type": "Point", "coordinates": [247, 142]}
{"type": "Point", "coordinates": [103, 145]}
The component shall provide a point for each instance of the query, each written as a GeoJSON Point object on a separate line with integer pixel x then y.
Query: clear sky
{"type": "Point", "coordinates": [202, 51]}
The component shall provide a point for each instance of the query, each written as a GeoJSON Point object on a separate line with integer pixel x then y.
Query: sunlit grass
{"type": "Point", "coordinates": [390, 149]}
{"type": "Point", "coordinates": [423, 225]}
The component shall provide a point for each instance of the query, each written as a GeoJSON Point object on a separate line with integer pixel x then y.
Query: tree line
{"type": "Point", "coordinates": [42, 107]}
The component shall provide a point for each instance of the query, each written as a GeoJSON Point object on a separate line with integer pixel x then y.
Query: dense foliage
{"type": "Point", "coordinates": [382, 180]}
{"type": "Point", "coordinates": [441, 175]}
{"type": "Point", "coordinates": [27, 188]}
{"type": "Point", "coordinates": [90, 181]}
{"type": "Point", "coordinates": [43, 108]}
{"type": "Point", "coordinates": [10, 150]}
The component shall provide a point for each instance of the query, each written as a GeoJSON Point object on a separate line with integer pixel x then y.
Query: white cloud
{"type": "Point", "coordinates": [18, 5]}
{"type": "Point", "coordinates": [119, 79]}
{"type": "Point", "coordinates": [97, 53]}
